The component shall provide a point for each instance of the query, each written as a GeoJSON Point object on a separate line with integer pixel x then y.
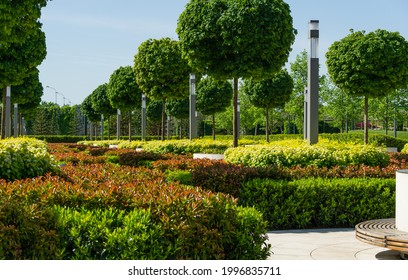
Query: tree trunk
{"type": "Point", "coordinates": [267, 125]}
{"type": "Point", "coordinates": [109, 121]}
{"type": "Point", "coordinates": [213, 126]}
{"type": "Point", "coordinates": [235, 116]}
{"type": "Point", "coordinates": [163, 131]}
{"type": "Point", "coordinates": [386, 115]}
{"type": "Point", "coordinates": [365, 120]}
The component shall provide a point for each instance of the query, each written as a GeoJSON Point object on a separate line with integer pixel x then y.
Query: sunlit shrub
{"type": "Point", "coordinates": [25, 158]}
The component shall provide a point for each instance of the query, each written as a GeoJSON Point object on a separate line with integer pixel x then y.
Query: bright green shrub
{"type": "Point", "coordinates": [317, 202]}
{"type": "Point", "coordinates": [108, 234]}
{"type": "Point", "coordinates": [186, 146]}
{"type": "Point", "coordinates": [182, 176]}
{"type": "Point", "coordinates": [25, 158]}
{"type": "Point", "coordinates": [299, 153]}
{"type": "Point", "coordinates": [375, 139]}
{"type": "Point", "coordinates": [59, 138]}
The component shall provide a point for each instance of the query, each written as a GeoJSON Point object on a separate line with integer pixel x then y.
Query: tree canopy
{"type": "Point", "coordinates": [270, 93]}
{"type": "Point", "coordinates": [369, 65]}
{"type": "Point", "coordinates": [18, 19]}
{"type": "Point", "coordinates": [88, 111]}
{"type": "Point", "coordinates": [123, 91]}
{"type": "Point", "coordinates": [236, 39]}
{"type": "Point", "coordinates": [100, 101]}
{"type": "Point", "coordinates": [19, 59]}
{"type": "Point", "coordinates": [213, 97]}
{"type": "Point", "coordinates": [161, 71]}
{"type": "Point", "coordinates": [29, 91]}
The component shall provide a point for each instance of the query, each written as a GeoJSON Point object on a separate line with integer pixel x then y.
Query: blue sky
{"type": "Point", "coordinates": [88, 39]}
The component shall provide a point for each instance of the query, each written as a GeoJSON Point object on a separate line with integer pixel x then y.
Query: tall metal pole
{"type": "Point", "coordinates": [239, 116]}
{"type": "Point", "coordinates": [102, 126]}
{"type": "Point", "coordinates": [118, 126]}
{"type": "Point", "coordinates": [305, 115]}
{"type": "Point", "coordinates": [313, 84]}
{"type": "Point", "coordinates": [8, 113]}
{"type": "Point", "coordinates": [15, 121]}
{"type": "Point", "coordinates": [193, 98]}
{"type": "Point", "coordinates": [144, 117]}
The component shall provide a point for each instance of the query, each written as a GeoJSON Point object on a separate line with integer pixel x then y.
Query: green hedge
{"type": "Point", "coordinates": [375, 139]}
{"type": "Point", "coordinates": [298, 153]}
{"type": "Point", "coordinates": [24, 158]}
{"type": "Point", "coordinates": [318, 202]}
{"type": "Point", "coordinates": [109, 234]}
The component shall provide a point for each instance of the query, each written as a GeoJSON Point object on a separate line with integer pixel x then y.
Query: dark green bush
{"type": "Point", "coordinates": [318, 202]}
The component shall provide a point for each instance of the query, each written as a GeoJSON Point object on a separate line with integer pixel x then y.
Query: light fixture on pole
{"type": "Point", "coordinates": [143, 117]}
{"type": "Point", "coordinates": [55, 91]}
{"type": "Point", "coordinates": [312, 127]}
{"type": "Point", "coordinates": [7, 126]}
{"type": "Point", "coordinates": [193, 115]}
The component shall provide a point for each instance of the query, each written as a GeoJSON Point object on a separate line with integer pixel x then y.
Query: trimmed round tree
{"type": "Point", "coordinates": [18, 60]}
{"type": "Point", "coordinates": [270, 93]}
{"type": "Point", "coordinates": [236, 39]}
{"type": "Point", "coordinates": [213, 97]}
{"type": "Point", "coordinates": [180, 109]}
{"type": "Point", "coordinates": [369, 65]}
{"type": "Point", "coordinates": [161, 72]}
{"type": "Point", "coordinates": [124, 93]}
{"type": "Point", "coordinates": [18, 19]}
{"type": "Point", "coordinates": [101, 103]}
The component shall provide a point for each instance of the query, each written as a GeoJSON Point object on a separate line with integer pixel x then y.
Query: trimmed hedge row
{"type": "Point", "coordinates": [318, 202]}
{"type": "Point", "coordinates": [58, 217]}
{"type": "Point", "coordinates": [375, 139]}
{"type": "Point", "coordinates": [298, 153]}
{"type": "Point", "coordinates": [24, 158]}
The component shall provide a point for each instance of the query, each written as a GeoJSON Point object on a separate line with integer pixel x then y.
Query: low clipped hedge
{"type": "Point", "coordinates": [298, 153]}
{"type": "Point", "coordinates": [24, 158]}
{"type": "Point", "coordinates": [85, 212]}
{"type": "Point", "coordinates": [374, 139]}
{"type": "Point", "coordinates": [319, 202]}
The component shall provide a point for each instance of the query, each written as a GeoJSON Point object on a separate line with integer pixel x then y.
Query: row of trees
{"type": "Point", "coordinates": [225, 41]}
{"type": "Point", "coordinates": [222, 39]}
{"type": "Point", "coordinates": [338, 111]}
{"type": "Point", "coordinates": [22, 49]}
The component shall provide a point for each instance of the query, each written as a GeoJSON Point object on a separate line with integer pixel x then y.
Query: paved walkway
{"type": "Point", "coordinates": [324, 244]}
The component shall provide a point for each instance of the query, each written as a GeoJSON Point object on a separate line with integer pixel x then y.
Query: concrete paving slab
{"type": "Point", "coordinates": [324, 244]}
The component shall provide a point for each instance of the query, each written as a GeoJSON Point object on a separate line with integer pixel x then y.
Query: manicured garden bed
{"type": "Point", "coordinates": [121, 203]}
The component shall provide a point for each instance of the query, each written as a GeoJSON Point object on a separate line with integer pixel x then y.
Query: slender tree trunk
{"type": "Point", "coordinates": [213, 126]}
{"type": "Point", "coordinates": [386, 115]}
{"type": "Point", "coordinates": [180, 129]}
{"type": "Point", "coordinates": [235, 116]}
{"type": "Point", "coordinates": [109, 121]}
{"type": "Point", "coordinates": [365, 120]}
{"type": "Point", "coordinates": [163, 131]}
{"type": "Point", "coordinates": [267, 124]}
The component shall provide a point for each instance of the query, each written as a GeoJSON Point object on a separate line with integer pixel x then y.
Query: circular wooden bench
{"type": "Point", "coordinates": [383, 233]}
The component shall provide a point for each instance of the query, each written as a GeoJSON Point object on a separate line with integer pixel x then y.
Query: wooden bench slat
{"type": "Point", "coordinates": [382, 233]}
